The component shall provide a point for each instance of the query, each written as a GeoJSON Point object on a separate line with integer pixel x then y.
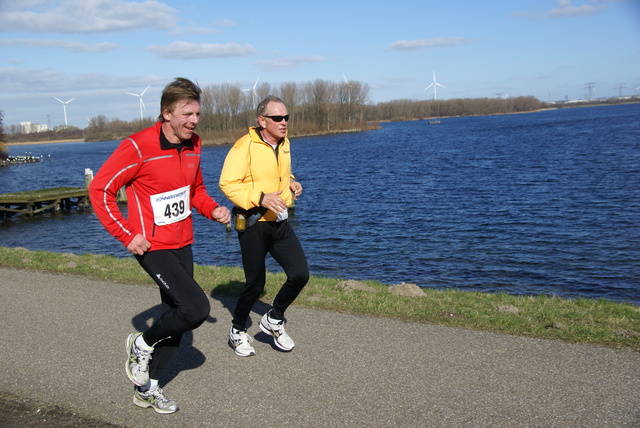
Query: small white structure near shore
{"type": "Point", "coordinates": [32, 128]}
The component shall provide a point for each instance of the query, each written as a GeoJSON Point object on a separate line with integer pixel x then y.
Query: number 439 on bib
{"type": "Point", "coordinates": [172, 206]}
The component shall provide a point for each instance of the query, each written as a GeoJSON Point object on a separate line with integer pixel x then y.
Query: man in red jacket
{"type": "Point", "coordinates": [160, 167]}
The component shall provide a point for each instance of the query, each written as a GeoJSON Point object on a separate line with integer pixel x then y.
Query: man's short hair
{"type": "Point", "coordinates": [178, 90]}
{"type": "Point", "coordinates": [262, 107]}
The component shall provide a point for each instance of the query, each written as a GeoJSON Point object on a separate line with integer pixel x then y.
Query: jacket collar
{"type": "Point", "coordinates": [165, 144]}
{"type": "Point", "coordinates": [254, 131]}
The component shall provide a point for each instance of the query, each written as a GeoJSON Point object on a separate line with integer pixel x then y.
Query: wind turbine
{"type": "Point", "coordinates": [347, 81]}
{"type": "Point", "coordinates": [350, 93]}
{"type": "Point", "coordinates": [142, 106]}
{"type": "Point", "coordinates": [64, 106]}
{"type": "Point", "coordinates": [434, 84]}
{"type": "Point", "coordinates": [349, 85]}
{"type": "Point", "coordinates": [254, 95]}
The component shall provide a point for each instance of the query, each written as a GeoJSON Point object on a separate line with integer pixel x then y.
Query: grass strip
{"type": "Point", "coordinates": [587, 321]}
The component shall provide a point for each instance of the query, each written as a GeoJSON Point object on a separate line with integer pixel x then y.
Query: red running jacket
{"type": "Point", "coordinates": [154, 176]}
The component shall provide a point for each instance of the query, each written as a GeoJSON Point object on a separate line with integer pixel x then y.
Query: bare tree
{"type": "Point", "coordinates": [4, 151]}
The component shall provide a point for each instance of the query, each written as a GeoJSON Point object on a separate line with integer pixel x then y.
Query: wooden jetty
{"type": "Point", "coordinates": [36, 201]}
{"type": "Point", "coordinates": [14, 160]}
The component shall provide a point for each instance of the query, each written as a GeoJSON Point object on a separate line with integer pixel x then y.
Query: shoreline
{"type": "Point", "coordinates": [29, 143]}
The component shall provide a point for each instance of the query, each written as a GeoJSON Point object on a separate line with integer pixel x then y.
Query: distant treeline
{"type": "Point", "coordinates": [399, 110]}
{"type": "Point", "coordinates": [318, 107]}
{"type": "Point", "coordinates": [4, 150]}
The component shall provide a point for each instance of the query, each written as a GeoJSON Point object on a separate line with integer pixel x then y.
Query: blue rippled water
{"type": "Point", "coordinates": [536, 203]}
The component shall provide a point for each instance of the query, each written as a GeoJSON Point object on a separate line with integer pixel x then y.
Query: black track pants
{"type": "Point", "coordinates": [279, 240]}
{"type": "Point", "coordinates": [185, 306]}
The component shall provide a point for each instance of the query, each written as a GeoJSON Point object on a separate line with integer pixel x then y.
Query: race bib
{"type": "Point", "coordinates": [172, 206]}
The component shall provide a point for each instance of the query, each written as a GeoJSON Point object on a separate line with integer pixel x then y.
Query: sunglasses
{"type": "Point", "coordinates": [278, 118]}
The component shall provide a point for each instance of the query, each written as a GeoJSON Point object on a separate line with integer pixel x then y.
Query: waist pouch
{"type": "Point", "coordinates": [251, 216]}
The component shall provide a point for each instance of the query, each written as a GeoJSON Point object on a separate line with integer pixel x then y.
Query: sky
{"type": "Point", "coordinates": [94, 52]}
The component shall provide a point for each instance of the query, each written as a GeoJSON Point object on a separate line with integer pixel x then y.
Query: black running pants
{"type": "Point", "coordinates": [279, 240]}
{"type": "Point", "coordinates": [185, 306]}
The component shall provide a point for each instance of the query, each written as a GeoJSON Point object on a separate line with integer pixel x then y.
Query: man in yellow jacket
{"type": "Point", "coordinates": [256, 177]}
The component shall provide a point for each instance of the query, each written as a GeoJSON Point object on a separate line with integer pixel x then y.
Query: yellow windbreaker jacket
{"type": "Point", "coordinates": [251, 168]}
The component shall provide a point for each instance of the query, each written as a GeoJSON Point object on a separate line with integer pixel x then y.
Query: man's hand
{"type": "Point", "coordinates": [221, 214]}
{"type": "Point", "coordinates": [296, 188]}
{"type": "Point", "coordinates": [273, 202]}
{"type": "Point", "coordinates": [139, 245]}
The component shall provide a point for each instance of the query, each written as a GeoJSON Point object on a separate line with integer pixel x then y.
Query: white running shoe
{"type": "Point", "coordinates": [281, 338]}
{"type": "Point", "coordinates": [241, 343]}
{"type": "Point", "coordinates": [137, 364]}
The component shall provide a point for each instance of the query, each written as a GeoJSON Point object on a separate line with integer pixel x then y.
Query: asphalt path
{"type": "Point", "coordinates": [63, 345]}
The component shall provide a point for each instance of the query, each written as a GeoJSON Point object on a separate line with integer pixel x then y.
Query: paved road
{"type": "Point", "coordinates": [63, 343]}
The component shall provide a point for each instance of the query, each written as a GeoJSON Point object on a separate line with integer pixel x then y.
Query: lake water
{"type": "Point", "coordinates": [528, 204]}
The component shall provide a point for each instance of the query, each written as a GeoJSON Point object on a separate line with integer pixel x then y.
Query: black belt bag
{"type": "Point", "coordinates": [244, 219]}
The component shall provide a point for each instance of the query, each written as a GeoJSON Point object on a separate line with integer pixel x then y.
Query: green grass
{"type": "Point", "coordinates": [589, 321]}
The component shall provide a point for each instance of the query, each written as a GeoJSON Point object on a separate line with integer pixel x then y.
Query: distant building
{"type": "Point", "coordinates": [31, 128]}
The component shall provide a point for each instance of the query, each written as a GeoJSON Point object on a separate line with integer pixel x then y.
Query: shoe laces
{"type": "Point", "coordinates": [158, 394]}
{"type": "Point", "coordinates": [243, 337]}
{"type": "Point", "coordinates": [143, 359]}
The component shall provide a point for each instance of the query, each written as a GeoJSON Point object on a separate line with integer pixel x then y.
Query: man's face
{"type": "Point", "coordinates": [275, 130]}
{"type": "Point", "coordinates": [180, 123]}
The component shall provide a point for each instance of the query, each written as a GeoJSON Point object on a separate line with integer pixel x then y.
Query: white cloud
{"type": "Point", "coordinates": [564, 9]}
{"type": "Point", "coordinates": [84, 16]}
{"type": "Point", "coordinates": [18, 80]}
{"type": "Point", "coordinates": [60, 44]}
{"type": "Point", "coordinates": [24, 81]}
{"type": "Point", "coordinates": [437, 42]}
{"type": "Point", "coordinates": [186, 50]}
{"type": "Point", "coordinates": [282, 63]}
{"type": "Point", "coordinates": [194, 29]}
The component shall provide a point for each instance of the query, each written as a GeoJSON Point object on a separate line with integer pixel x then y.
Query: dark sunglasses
{"type": "Point", "coordinates": [278, 118]}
